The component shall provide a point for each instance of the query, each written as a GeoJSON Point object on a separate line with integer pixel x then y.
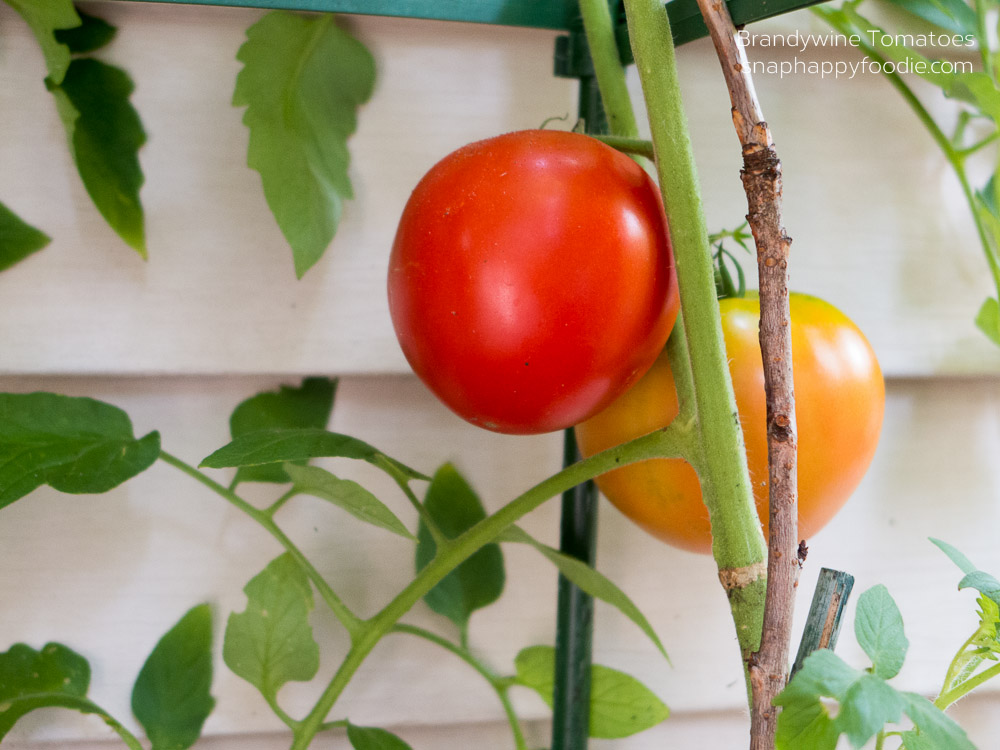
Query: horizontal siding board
{"type": "Point", "coordinates": [879, 224]}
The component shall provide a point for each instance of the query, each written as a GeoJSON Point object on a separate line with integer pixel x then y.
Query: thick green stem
{"type": "Point", "coordinates": [666, 443]}
{"type": "Point", "coordinates": [499, 685]}
{"type": "Point", "coordinates": [738, 544]}
{"type": "Point", "coordinates": [351, 622]}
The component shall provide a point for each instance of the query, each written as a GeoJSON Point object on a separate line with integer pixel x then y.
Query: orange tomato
{"type": "Point", "coordinates": [839, 398]}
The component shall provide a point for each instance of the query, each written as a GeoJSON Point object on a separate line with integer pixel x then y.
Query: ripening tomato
{"type": "Point", "coordinates": [839, 400]}
{"type": "Point", "coordinates": [531, 280]}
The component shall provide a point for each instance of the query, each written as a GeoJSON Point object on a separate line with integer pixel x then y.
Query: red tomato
{"type": "Point", "coordinates": [839, 401]}
{"type": "Point", "coordinates": [531, 280]}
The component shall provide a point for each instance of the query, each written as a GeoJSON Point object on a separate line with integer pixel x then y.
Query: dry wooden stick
{"type": "Point", "coordinates": [762, 183]}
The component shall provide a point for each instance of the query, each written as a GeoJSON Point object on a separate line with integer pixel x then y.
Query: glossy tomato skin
{"type": "Point", "coordinates": [839, 400]}
{"type": "Point", "coordinates": [531, 279]}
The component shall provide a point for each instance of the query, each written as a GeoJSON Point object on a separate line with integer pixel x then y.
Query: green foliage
{"type": "Point", "coordinates": [988, 319]}
{"type": "Point", "coordinates": [864, 703]}
{"type": "Point", "coordinates": [18, 239]}
{"type": "Point", "coordinates": [302, 81]}
{"type": "Point", "coordinates": [953, 15]}
{"type": "Point", "coordinates": [977, 93]}
{"type": "Point", "coordinates": [878, 626]}
{"type": "Point", "coordinates": [620, 705]}
{"type": "Point", "coordinates": [982, 647]}
{"type": "Point", "coordinates": [297, 445]}
{"type": "Point", "coordinates": [287, 408]}
{"type": "Point", "coordinates": [171, 697]}
{"type": "Point", "coordinates": [103, 129]}
{"type": "Point", "coordinates": [92, 34]}
{"type": "Point", "coordinates": [55, 677]}
{"type": "Point", "coordinates": [271, 641]}
{"type": "Point", "coordinates": [75, 445]}
{"type": "Point", "coordinates": [588, 580]}
{"type": "Point", "coordinates": [45, 18]}
{"type": "Point", "coordinates": [372, 738]}
{"type": "Point", "coordinates": [725, 285]}
{"type": "Point", "coordinates": [478, 582]}
{"type": "Point", "coordinates": [105, 135]}
{"type": "Point", "coordinates": [351, 496]}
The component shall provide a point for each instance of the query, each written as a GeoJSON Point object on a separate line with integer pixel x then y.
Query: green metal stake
{"type": "Point", "coordinates": [575, 615]}
{"type": "Point", "coordinates": [578, 530]}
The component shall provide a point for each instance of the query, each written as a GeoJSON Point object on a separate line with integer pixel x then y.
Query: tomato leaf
{"type": "Point", "coordinates": [105, 134]}
{"type": "Point", "coordinates": [45, 17]}
{"type": "Point", "coordinates": [477, 582]}
{"type": "Point", "coordinates": [271, 641]}
{"type": "Point", "coordinates": [620, 705]}
{"type": "Point", "coordinates": [92, 34]}
{"type": "Point", "coordinates": [299, 444]}
{"type": "Point", "coordinates": [75, 445]}
{"type": "Point", "coordinates": [866, 704]}
{"type": "Point", "coordinates": [373, 738]}
{"type": "Point", "coordinates": [939, 731]}
{"type": "Point", "coordinates": [301, 82]}
{"type": "Point", "coordinates": [18, 240]}
{"type": "Point", "coordinates": [55, 677]}
{"type": "Point", "coordinates": [351, 496]}
{"type": "Point", "coordinates": [878, 626]}
{"type": "Point", "coordinates": [587, 579]}
{"type": "Point", "coordinates": [171, 697]}
{"type": "Point", "coordinates": [287, 408]}
{"type": "Point", "coordinates": [984, 583]}
{"type": "Point", "coordinates": [955, 555]}
{"type": "Point", "coordinates": [988, 319]}
{"type": "Point", "coordinates": [953, 15]}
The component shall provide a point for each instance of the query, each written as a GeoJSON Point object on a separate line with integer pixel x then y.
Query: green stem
{"type": "Point", "coordinates": [280, 502]}
{"type": "Point", "coordinates": [498, 684]}
{"type": "Point", "coordinates": [600, 31]}
{"type": "Point", "coordinates": [946, 699]}
{"type": "Point", "coordinates": [631, 146]}
{"type": "Point", "coordinates": [956, 664]}
{"type": "Point", "coordinates": [880, 740]}
{"type": "Point", "coordinates": [680, 368]}
{"type": "Point", "coordinates": [964, 153]}
{"type": "Point", "coordinates": [666, 443]}
{"type": "Point", "coordinates": [737, 544]}
{"type": "Point", "coordinates": [351, 622]}
{"type": "Point", "coordinates": [288, 721]}
{"type": "Point", "coordinates": [402, 481]}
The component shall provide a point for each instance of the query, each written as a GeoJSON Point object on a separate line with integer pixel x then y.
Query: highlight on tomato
{"type": "Point", "coordinates": [839, 403]}
{"type": "Point", "coordinates": [531, 280]}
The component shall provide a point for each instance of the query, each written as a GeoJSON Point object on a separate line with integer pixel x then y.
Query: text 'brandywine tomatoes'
{"type": "Point", "coordinates": [839, 402]}
{"type": "Point", "coordinates": [531, 280]}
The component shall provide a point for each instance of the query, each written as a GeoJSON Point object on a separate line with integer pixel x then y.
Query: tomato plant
{"type": "Point", "coordinates": [531, 280]}
{"type": "Point", "coordinates": [839, 398]}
